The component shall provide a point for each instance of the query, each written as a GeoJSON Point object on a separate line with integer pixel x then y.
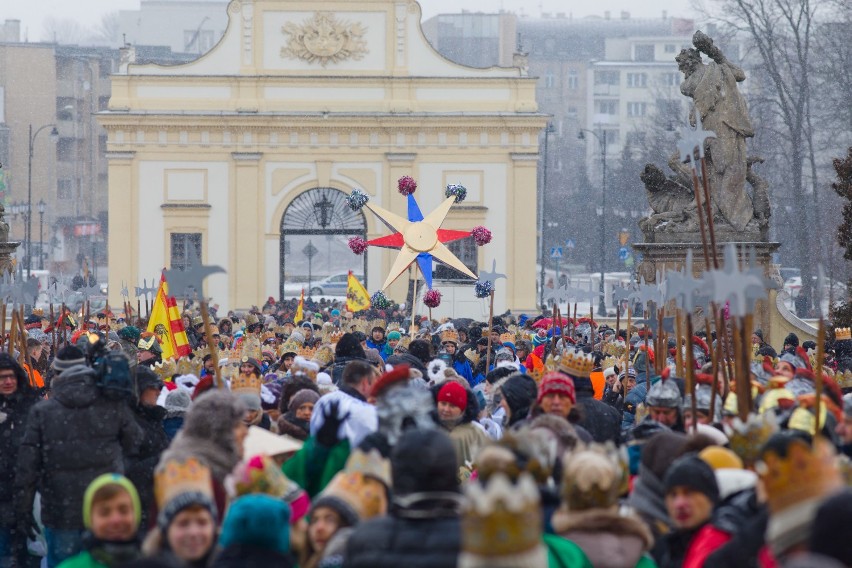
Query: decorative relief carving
{"type": "Point", "coordinates": [324, 39]}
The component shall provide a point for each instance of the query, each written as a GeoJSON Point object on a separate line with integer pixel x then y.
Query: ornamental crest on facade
{"type": "Point", "coordinates": [324, 39]}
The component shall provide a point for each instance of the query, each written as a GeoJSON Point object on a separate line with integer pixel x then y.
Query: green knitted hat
{"type": "Point", "coordinates": [103, 481]}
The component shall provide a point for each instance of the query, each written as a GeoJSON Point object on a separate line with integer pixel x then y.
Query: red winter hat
{"type": "Point", "coordinates": [453, 393]}
{"type": "Point", "coordinates": [555, 382]}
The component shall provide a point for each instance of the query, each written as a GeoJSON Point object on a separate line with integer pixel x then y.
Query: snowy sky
{"type": "Point", "coordinates": [88, 12]}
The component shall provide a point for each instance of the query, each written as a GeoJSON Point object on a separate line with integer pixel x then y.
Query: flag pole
{"type": "Point", "coordinates": [214, 351]}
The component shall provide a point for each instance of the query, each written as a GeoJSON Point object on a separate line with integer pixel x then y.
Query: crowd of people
{"type": "Point", "coordinates": [371, 440]}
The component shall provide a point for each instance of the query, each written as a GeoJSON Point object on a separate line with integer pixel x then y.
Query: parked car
{"type": "Point", "coordinates": [334, 285]}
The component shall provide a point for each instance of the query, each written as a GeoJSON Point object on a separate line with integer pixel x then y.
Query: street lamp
{"type": "Point", "coordinates": [41, 207]}
{"type": "Point", "coordinates": [550, 129]}
{"type": "Point", "coordinates": [54, 136]}
{"type": "Point", "coordinates": [602, 209]}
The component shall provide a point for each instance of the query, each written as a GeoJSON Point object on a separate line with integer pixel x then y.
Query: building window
{"type": "Point", "coordinates": [606, 107]}
{"type": "Point", "coordinates": [66, 150]}
{"type": "Point", "coordinates": [572, 112]}
{"type": "Point", "coordinates": [637, 109]}
{"type": "Point", "coordinates": [643, 53]}
{"type": "Point", "coordinates": [611, 136]}
{"type": "Point", "coordinates": [549, 80]}
{"type": "Point", "coordinates": [670, 79]}
{"type": "Point", "coordinates": [607, 77]}
{"type": "Point", "coordinates": [635, 139]}
{"type": "Point", "coordinates": [180, 243]}
{"type": "Point", "coordinates": [573, 80]}
{"type": "Point", "coordinates": [465, 250]}
{"type": "Point", "coordinates": [670, 48]}
{"type": "Point", "coordinates": [65, 189]}
{"type": "Point", "coordinates": [637, 80]}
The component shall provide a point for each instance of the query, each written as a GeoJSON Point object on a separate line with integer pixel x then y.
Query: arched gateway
{"type": "Point", "coordinates": [315, 230]}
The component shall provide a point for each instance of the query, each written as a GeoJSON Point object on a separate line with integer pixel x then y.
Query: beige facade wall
{"type": "Point", "coordinates": [28, 80]}
{"type": "Point", "coordinates": [223, 145]}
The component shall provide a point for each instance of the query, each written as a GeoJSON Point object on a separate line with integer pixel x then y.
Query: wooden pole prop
{"type": "Point", "coordinates": [647, 354]}
{"type": "Point", "coordinates": [627, 350]}
{"type": "Point", "coordinates": [211, 344]}
{"type": "Point", "coordinates": [679, 343]}
{"type": "Point", "coordinates": [414, 308]}
{"type": "Point", "coordinates": [3, 324]}
{"type": "Point", "coordinates": [490, 327]}
{"type": "Point", "coordinates": [690, 372]}
{"type": "Point", "coordinates": [709, 212]}
{"type": "Point", "coordinates": [714, 365]}
{"type": "Point", "coordinates": [13, 330]}
{"type": "Point", "coordinates": [54, 327]}
{"type": "Point", "coordinates": [819, 378]}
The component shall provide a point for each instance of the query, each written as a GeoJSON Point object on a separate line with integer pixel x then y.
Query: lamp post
{"type": "Point", "coordinates": [41, 207]}
{"type": "Point", "coordinates": [54, 136]}
{"type": "Point", "coordinates": [549, 129]}
{"type": "Point", "coordinates": [602, 209]}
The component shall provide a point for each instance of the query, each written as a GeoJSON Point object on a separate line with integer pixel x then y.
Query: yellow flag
{"type": "Point", "coordinates": [165, 322]}
{"type": "Point", "coordinates": [300, 310]}
{"type": "Point", "coordinates": [357, 298]}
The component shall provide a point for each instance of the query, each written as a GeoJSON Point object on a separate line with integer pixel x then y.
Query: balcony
{"type": "Point", "coordinates": [606, 90]}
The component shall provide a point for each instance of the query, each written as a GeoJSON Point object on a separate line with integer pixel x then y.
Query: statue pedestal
{"type": "Point", "coordinates": [7, 250]}
{"type": "Point", "coordinates": [663, 257]}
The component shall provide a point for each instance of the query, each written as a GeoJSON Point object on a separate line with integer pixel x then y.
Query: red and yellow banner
{"type": "Point", "coordinates": [167, 325]}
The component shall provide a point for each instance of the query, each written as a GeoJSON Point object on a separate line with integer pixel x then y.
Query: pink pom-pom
{"type": "Point", "coordinates": [407, 185]}
{"type": "Point", "coordinates": [481, 235]}
{"type": "Point", "coordinates": [358, 245]}
{"type": "Point", "coordinates": [432, 298]}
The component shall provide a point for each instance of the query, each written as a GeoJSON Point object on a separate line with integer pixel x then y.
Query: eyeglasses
{"type": "Point", "coordinates": [8, 377]}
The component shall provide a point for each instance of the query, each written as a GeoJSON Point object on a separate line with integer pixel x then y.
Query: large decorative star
{"type": "Point", "coordinates": [419, 239]}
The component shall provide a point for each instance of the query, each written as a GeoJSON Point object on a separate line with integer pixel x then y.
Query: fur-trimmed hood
{"type": "Point", "coordinates": [609, 539]}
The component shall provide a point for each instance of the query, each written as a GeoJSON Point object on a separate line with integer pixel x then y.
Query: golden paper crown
{"type": "Point", "coordinates": [370, 464]}
{"type": "Point", "coordinates": [844, 380]}
{"type": "Point", "coordinates": [593, 478]}
{"type": "Point", "coordinates": [393, 326]}
{"type": "Point", "coordinates": [246, 384]}
{"type": "Point", "coordinates": [250, 347]}
{"type": "Point", "coordinates": [377, 323]}
{"type": "Point", "coordinates": [324, 356]}
{"type": "Point", "coordinates": [450, 335]}
{"type": "Point", "coordinates": [175, 478]}
{"type": "Point", "coordinates": [289, 346]}
{"type": "Point", "coordinates": [805, 472]}
{"type": "Point", "coordinates": [842, 333]}
{"type": "Point", "coordinates": [307, 352]}
{"type": "Point", "coordinates": [507, 338]}
{"type": "Point", "coordinates": [165, 369]}
{"type": "Point", "coordinates": [359, 325]}
{"type": "Point", "coordinates": [201, 352]}
{"type": "Point", "coordinates": [304, 366]}
{"type": "Point", "coordinates": [501, 519]}
{"type": "Point", "coordinates": [187, 366]}
{"type": "Point", "coordinates": [747, 439]}
{"type": "Point", "coordinates": [571, 362]}
{"type": "Point", "coordinates": [616, 349]}
{"type": "Point", "coordinates": [335, 336]}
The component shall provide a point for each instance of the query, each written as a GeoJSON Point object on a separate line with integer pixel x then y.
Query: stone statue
{"type": "Point", "coordinates": [713, 87]}
{"type": "Point", "coordinates": [671, 199]}
{"type": "Point", "coordinates": [4, 226]}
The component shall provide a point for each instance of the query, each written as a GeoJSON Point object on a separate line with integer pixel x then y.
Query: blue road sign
{"type": "Point", "coordinates": [623, 253]}
{"type": "Point", "coordinates": [570, 244]}
{"type": "Point", "coordinates": [556, 253]}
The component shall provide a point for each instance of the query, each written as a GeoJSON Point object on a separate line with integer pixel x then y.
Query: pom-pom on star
{"type": "Point", "coordinates": [456, 190]}
{"type": "Point", "coordinates": [432, 298]}
{"type": "Point", "coordinates": [357, 199]}
{"type": "Point", "coordinates": [483, 288]}
{"type": "Point", "coordinates": [407, 185]}
{"type": "Point", "coordinates": [358, 245]}
{"type": "Point", "coordinates": [379, 301]}
{"type": "Point", "coordinates": [481, 235]}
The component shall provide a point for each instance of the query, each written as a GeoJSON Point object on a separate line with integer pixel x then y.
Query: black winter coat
{"type": "Point", "coordinates": [13, 420]}
{"type": "Point", "coordinates": [70, 439]}
{"type": "Point", "coordinates": [601, 420]}
{"type": "Point", "coordinates": [244, 556]}
{"type": "Point", "coordinates": [140, 464]}
{"type": "Point", "coordinates": [427, 537]}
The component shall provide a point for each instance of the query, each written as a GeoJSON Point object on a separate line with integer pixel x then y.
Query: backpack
{"type": "Point", "coordinates": [114, 376]}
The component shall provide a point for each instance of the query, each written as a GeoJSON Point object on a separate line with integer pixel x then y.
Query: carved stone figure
{"type": "Point", "coordinates": [713, 87]}
{"type": "Point", "coordinates": [324, 39]}
{"type": "Point", "coordinates": [4, 226]}
{"type": "Point", "coordinates": [672, 202]}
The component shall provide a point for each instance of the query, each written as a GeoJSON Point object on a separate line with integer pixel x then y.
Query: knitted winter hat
{"type": "Point", "coordinates": [304, 396]}
{"type": "Point", "coordinates": [259, 521]}
{"type": "Point", "coordinates": [556, 382]}
{"type": "Point", "coordinates": [453, 393]}
{"type": "Point", "coordinates": [67, 357]}
{"type": "Point", "coordinates": [177, 403]}
{"type": "Point", "coordinates": [693, 472]}
{"type": "Point", "coordinates": [104, 481]}
{"type": "Point", "coordinates": [792, 339]}
{"type": "Point", "coordinates": [394, 336]}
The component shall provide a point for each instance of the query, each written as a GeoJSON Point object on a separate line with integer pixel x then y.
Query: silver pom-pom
{"type": "Point", "coordinates": [357, 199]}
{"type": "Point", "coordinates": [457, 190]}
{"type": "Point", "coordinates": [483, 288]}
